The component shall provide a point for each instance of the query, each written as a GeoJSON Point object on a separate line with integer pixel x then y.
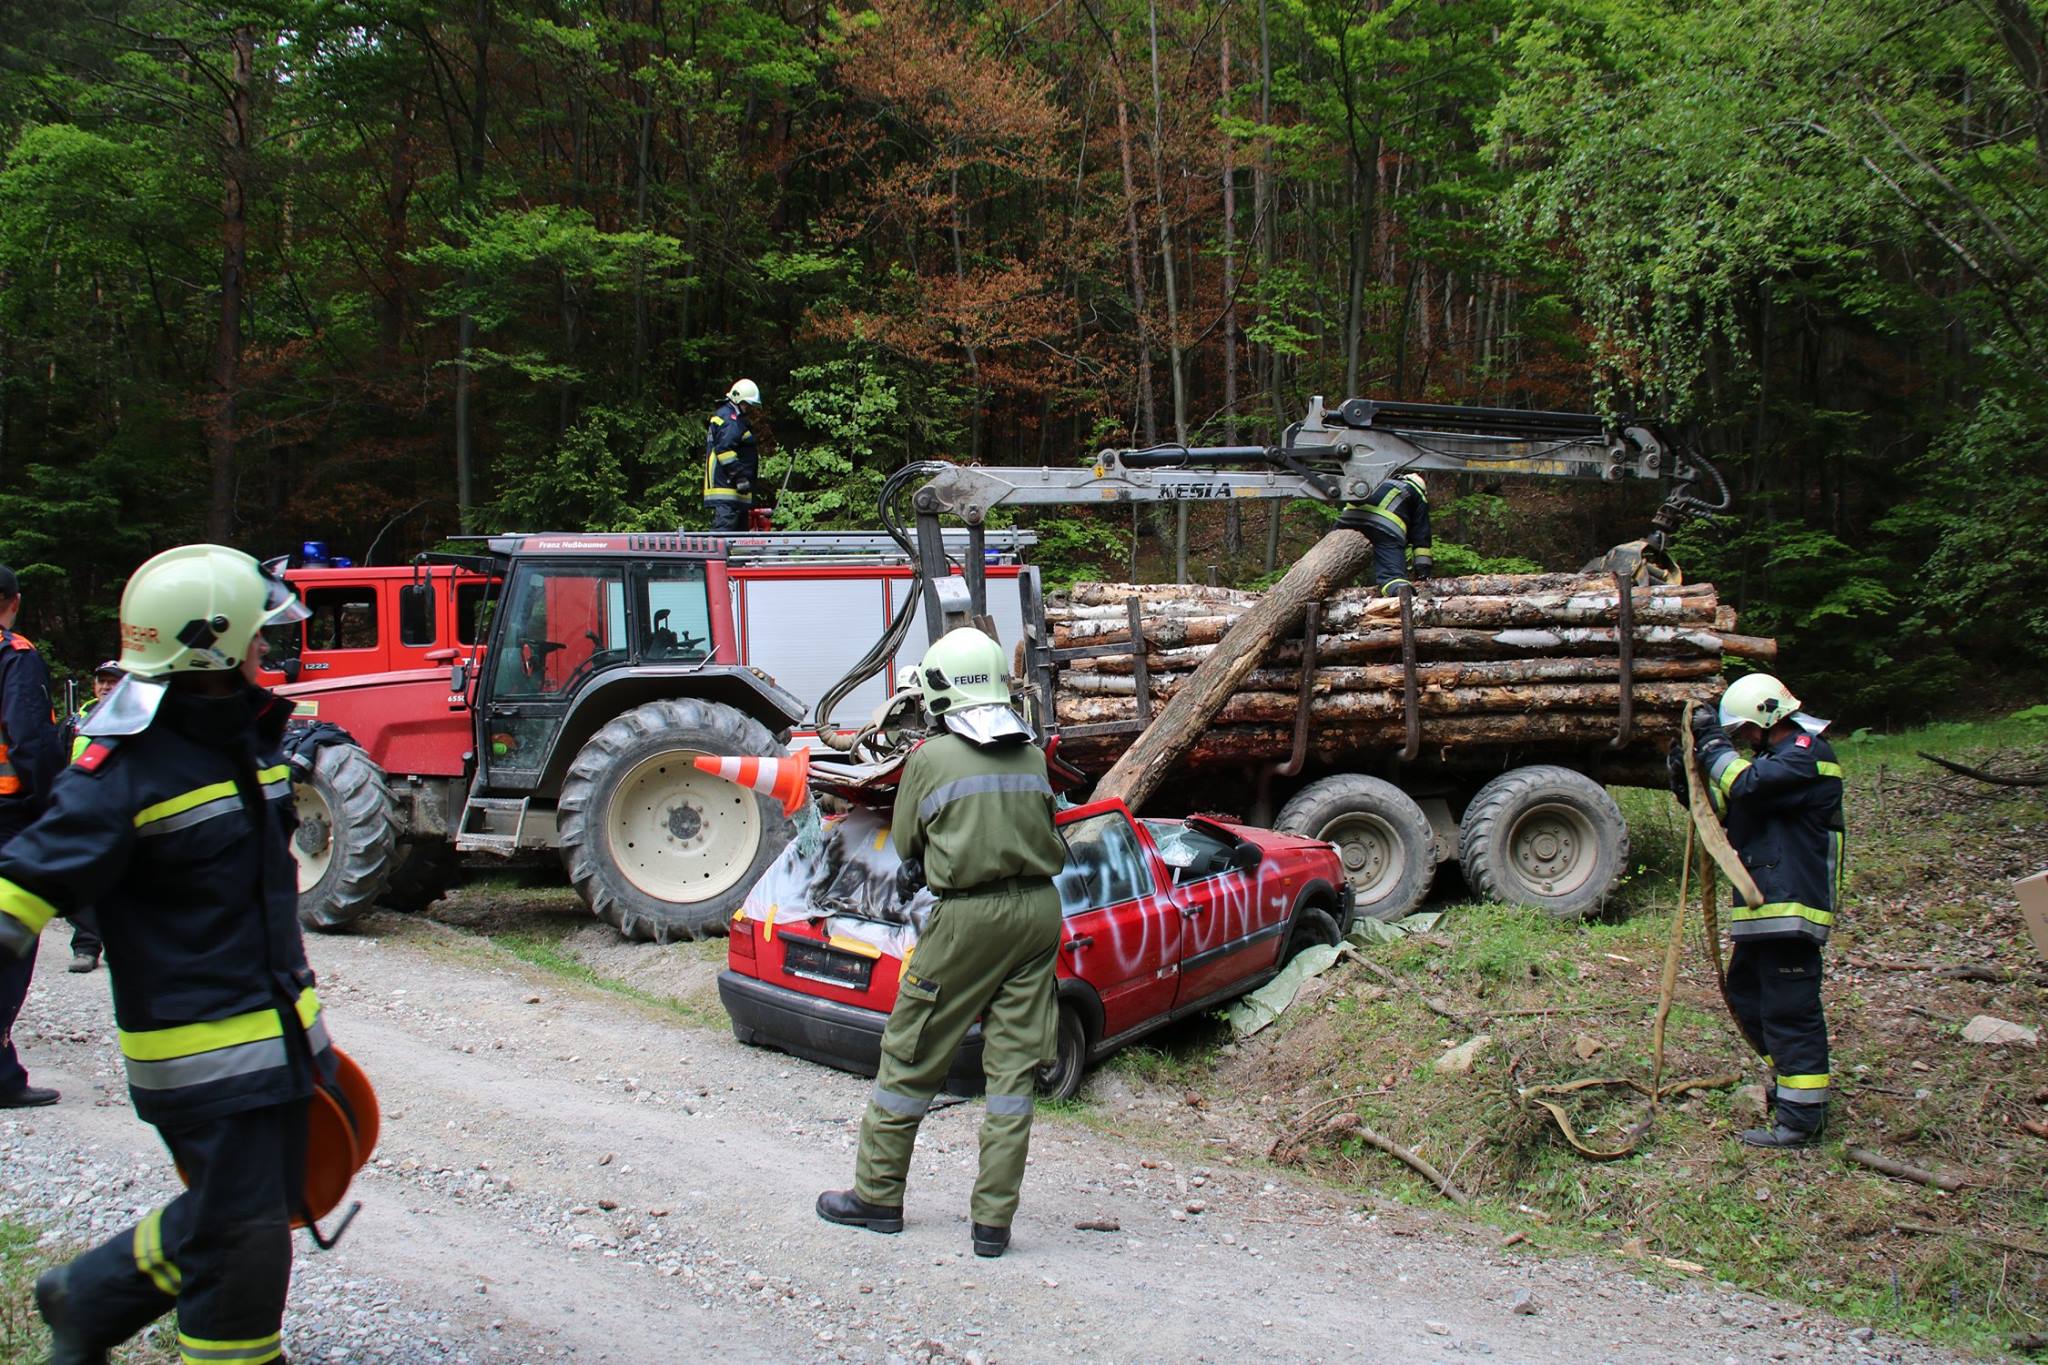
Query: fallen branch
{"type": "Point", "coordinates": [1438, 1007]}
{"type": "Point", "coordinates": [1997, 975]}
{"type": "Point", "coordinates": [1995, 779]}
{"type": "Point", "coordinates": [1416, 1164]}
{"type": "Point", "coordinates": [1903, 1170]}
{"type": "Point", "coordinates": [1562, 1009]}
{"type": "Point", "coordinates": [2030, 1248]}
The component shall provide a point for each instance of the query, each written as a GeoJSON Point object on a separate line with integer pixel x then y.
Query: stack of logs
{"type": "Point", "coordinates": [1523, 661]}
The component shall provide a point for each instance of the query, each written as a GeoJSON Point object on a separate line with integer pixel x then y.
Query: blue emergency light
{"type": "Point", "coordinates": [313, 553]}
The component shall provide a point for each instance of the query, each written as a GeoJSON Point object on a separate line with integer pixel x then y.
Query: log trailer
{"type": "Point", "coordinates": [1530, 822]}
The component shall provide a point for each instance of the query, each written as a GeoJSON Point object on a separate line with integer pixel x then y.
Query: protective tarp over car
{"type": "Point", "coordinates": [850, 884]}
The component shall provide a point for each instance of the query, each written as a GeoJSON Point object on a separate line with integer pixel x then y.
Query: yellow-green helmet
{"type": "Point", "coordinates": [195, 608]}
{"type": "Point", "coordinates": [1757, 699]}
{"type": "Point", "coordinates": [963, 668]}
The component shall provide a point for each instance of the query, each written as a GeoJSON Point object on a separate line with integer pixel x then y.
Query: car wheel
{"type": "Point", "coordinates": [1546, 837]}
{"type": "Point", "coordinates": [1313, 927]}
{"type": "Point", "coordinates": [653, 844]}
{"type": "Point", "coordinates": [346, 836]}
{"type": "Point", "coordinates": [1382, 836]}
{"type": "Point", "coordinates": [1062, 1080]}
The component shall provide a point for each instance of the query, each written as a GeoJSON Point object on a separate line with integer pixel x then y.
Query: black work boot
{"type": "Point", "coordinates": [990, 1241]}
{"type": "Point", "coordinates": [69, 1345]}
{"type": "Point", "coordinates": [1783, 1134]}
{"type": "Point", "coordinates": [84, 962]}
{"type": "Point", "coordinates": [844, 1206]}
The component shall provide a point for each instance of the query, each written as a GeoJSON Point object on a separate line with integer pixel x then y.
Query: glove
{"type": "Point", "coordinates": [1424, 567]}
{"type": "Point", "coordinates": [1674, 767]}
{"type": "Point", "coordinates": [742, 484]}
{"type": "Point", "coordinates": [1708, 738]}
{"type": "Point", "coordinates": [909, 879]}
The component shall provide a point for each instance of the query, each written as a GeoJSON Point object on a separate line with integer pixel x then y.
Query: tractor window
{"type": "Point", "coordinates": [416, 624]}
{"type": "Point", "coordinates": [677, 613]}
{"type": "Point", "coordinates": [564, 622]}
{"type": "Point", "coordinates": [1105, 865]}
{"type": "Point", "coordinates": [342, 618]}
{"type": "Point", "coordinates": [473, 612]}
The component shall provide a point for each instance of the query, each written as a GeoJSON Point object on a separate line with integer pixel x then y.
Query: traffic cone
{"type": "Point", "coordinates": [785, 779]}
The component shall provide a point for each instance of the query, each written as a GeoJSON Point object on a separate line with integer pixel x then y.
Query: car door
{"type": "Point", "coordinates": [1122, 933]}
{"type": "Point", "coordinates": [1232, 917]}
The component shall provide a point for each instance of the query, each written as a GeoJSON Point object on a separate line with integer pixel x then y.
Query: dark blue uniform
{"type": "Point", "coordinates": [1783, 810]}
{"type": "Point", "coordinates": [731, 463]}
{"type": "Point", "coordinates": [31, 752]}
{"type": "Point", "coordinates": [1395, 518]}
{"type": "Point", "coordinates": [180, 836]}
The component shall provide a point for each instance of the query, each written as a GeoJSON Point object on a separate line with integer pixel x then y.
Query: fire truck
{"type": "Point", "coordinates": [548, 691]}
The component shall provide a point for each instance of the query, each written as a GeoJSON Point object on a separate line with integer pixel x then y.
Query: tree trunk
{"type": "Point", "coordinates": [1148, 415]}
{"type": "Point", "coordinates": [1233, 521]}
{"type": "Point", "coordinates": [1528, 701]}
{"type": "Point", "coordinates": [465, 326]}
{"type": "Point", "coordinates": [237, 137]}
{"type": "Point", "coordinates": [1338, 557]}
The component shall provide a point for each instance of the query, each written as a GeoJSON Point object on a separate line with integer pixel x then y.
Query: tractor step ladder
{"type": "Point", "coordinates": [491, 824]}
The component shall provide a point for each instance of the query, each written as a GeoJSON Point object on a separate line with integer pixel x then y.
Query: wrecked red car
{"type": "Point", "coordinates": [1163, 919]}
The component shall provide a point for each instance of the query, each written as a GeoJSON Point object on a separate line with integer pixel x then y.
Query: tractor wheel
{"type": "Point", "coordinates": [1546, 837]}
{"type": "Point", "coordinates": [346, 839]}
{"type": "Point", "coordinates": [655, 846]}
{"type": "Point", "coordinates": [1384, 839]}
{"type": "Point", "coordinates": [421, 873]}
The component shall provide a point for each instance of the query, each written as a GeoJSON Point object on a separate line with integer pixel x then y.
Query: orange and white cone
{"type": "Point", "coordinates": [785, 779]}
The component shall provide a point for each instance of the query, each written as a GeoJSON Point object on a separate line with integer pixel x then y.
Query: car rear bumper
{"type": "Point", "coordinates": [827, 1031]}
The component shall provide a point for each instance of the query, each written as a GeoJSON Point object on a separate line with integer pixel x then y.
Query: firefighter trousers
{"type": "Point", "coordinates": [1389, 550]}
{"type": "Point", "coordinates": [220, 1253]}
{"type": "Point", "coordinates": [1774, 991]}
{"type": "Point", "coordinates": [15, 973]}
{"type": "Point", "coordinates": [987, 956]}
{"type": "Point", "coordinates": [727, 515]}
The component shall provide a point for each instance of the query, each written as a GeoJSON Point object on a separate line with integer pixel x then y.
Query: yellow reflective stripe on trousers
{"type": "Point", "coordinates": [249, 1351]}
{"type": "Point", "coordinates": [1803, 1089]}
{"type": "Point", "coordinates": [25, 905]}
{"type": "Point", "coordinates": [149, 1254]}
{"type": "Point", "coordinates": [1783, 910]}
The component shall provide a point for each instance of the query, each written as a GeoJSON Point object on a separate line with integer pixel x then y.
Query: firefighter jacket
{"type": "Point", "coordinates": [1396, 508]}
{"type": "Point", "coordinates": [977, 815]}
{"type": "Point", "coordinates": [179, 838]}
{"type": "Point", "coordinates": [31, 750]}
{"type": "Point", "coordinates": [1783, 810]}
{"type": "Point", "coordinates": [731, 456]}
{"type": "Point", "coordinates": [74, 741]}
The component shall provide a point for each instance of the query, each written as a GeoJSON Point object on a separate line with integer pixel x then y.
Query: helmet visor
{"type": "Point", "coordinates": [280, 604]}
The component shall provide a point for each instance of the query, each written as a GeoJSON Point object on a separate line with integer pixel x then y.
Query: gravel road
{"type": "Point", "coordinates": [567, 1175]}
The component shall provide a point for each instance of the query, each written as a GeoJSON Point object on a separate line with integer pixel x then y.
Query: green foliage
{"type": "Point", "coordinates": [1074, 548]}
{"type": "Point", "coordinates": [617, 469]}
{"type": "Point", "coordinates": [855, 429]}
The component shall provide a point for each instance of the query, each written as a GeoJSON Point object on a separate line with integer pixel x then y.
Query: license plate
{"type": "Point", "coordinates": [816, 962]}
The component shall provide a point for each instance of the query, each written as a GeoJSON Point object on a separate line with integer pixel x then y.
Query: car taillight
{"type": "Point", "coordinates": [742, 945]}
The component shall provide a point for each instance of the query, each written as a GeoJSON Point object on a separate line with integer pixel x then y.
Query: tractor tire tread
{"type": "Point", "coordinates": [365, 835]}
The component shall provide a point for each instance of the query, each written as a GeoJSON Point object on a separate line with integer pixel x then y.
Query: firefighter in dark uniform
{"type": "Point", "coordinates": [1783, 810]}
{"type": "Point", "coordinates": [175, 822]}
{"type": "Point", "coordinates": [1396, 519]}
{"type": "Point", "coordinates": [974, 820]}
{"type": "Point", "coordinates": [732, 458]}
{"type": "Point", "coordinates": [31, 754]}
{"type": "Point", "coordinates": [85, 928]}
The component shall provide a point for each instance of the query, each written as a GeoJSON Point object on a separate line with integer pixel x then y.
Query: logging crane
{"type": "Point", "coordinates": [1563, 857]}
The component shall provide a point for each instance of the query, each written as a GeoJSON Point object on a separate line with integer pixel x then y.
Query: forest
{"type": "Point", "coordinates": [384, 273]}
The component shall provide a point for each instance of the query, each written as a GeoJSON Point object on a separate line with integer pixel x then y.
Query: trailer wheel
{"type": "Point", "coordinates": [421, 873]}
{"type": "Point", "coordinates": [346, 837]}
{"type": "Point", "coordinates": [1062, 1080]}
{"type": "Point", "coordinates": [1546, 837]}
{"type": "Point", "coordinates": [1382, 836]}
{"type": "Point", "coordinates": [655, 846]}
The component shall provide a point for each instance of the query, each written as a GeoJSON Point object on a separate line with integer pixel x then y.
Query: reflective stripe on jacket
{"type": "Point", "coordinates": [730, 455]}
{"type": "Point", "coordinates": [1784, 815]}
{"type": "Point", "coordinates": [31, 750]}
{"type": "Point", "coordinates": [1397, 506]}
{"type": "Point", "coordinates": [977, 815]}
{"type": "Point", "coordinates": [178, 837]}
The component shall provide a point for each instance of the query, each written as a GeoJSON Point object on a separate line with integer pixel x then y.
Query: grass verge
{"type": "Point", "coordinates": [23, 1339]}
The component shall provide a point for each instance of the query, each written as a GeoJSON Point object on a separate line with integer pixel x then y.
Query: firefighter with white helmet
{"type": "Point", "coordinates": [1395, 517]}
{"type": "Point", "coordinates": [974, 819]}
{"type": "Point", "coordinates": [732, 457]}
{"type": "Point", "coordinates": [174, 822]}
{"type": "Point", "coordinates": [1783, 810]}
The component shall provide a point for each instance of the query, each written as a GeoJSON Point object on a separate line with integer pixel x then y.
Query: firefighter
{"type": "Point", "coordinates": [85, 928]}
{"type": "Point", "coordinates": [175, 822]}
{"type": "Point", "coordinates": [31, 753]}
{"type": "Point", "coordinates": [974, 820]}
{"type": "Point", "coordinates": [732, 457]}
{"type": "Point", "coordinates": [1396, 519]}
{"type": "Point", "coordinates": [1783, 810]}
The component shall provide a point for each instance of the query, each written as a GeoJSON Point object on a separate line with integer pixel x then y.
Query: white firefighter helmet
{"type": "Point", "coordinates": [1414, 480]}
{"type": "Point", "coordinates": [196, 608]}
{"type": "Point", "coordinates": [744, 391]}
{"type": "Point", "coordinates": [1757, 699]}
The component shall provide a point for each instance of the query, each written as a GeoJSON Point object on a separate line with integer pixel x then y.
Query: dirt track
{"type": "Point", "coordinates": [579, 1176]}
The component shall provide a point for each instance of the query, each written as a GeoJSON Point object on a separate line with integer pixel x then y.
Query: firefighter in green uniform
{"type": "Point", "coordinates": [974, 820]}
